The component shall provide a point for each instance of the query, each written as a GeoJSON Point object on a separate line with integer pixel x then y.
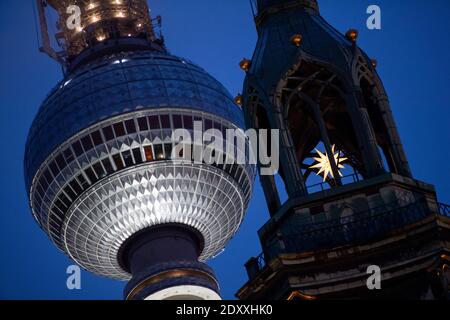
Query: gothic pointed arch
{"type": "Point", "coordinates": [315, 108]}
{"type": "Point", "coordinates": [375, 102]}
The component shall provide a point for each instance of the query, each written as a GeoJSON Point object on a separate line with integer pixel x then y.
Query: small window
{"type": "Point", "coordinates": [43, 183]}
{"type": "Point", "coordinates": [131, 127]}
{"type": "Point", "coordinates": [177, 121]}
{"type": "Point", "coordinates": [119, 129]}
{"type": "Point", "coordinates": [91, 175]}
{"type": "Point", "coordinates": [127, 158]}
{"type": "Point", "coordinates": [68, 155]}
{"type": "Point", "coordinates": [61, 162]}
{"type": "Point", "coordinates": [137, 155]}
{"type": "Point", "coordinates": [168, 150]}
{"type": "Point", "coordinates": [108, 166]}
{"type": "Point", "coordinates": [108, 133]}
{"type": "Point", "coordinates": [188, 124]}
{"type": "Point", "coordinates": [148, 153]}
{"type": "Point", "coordinates": [54, 225]}
{"type": "Point", "coordinates": [57, 211]}
{"type": "Point", "coordinates": [40, 191]}
{"type": "Point", "coordinates": [60, 205]}
{"type": "Point", "coordinates": [70, 193]}
{"type": "Point", "coordinates": [165, 121]}
{"type": "Point", "coordinates": [118, 161]}
{"type": "Point", "coordinates": [154, 122]}
{"type": "Point", "coordinates": [83, 183]}
{"type": "Point", "coordinates": [159, 153]}
{"type": "Point", "coordinates": [48, 176]}
{"type": "Point", "coordinates": [98, 168]}
{"type": "Point", "coordinates": [97, 138]}
{"type": "Point", "coordinates": [76, 186]}
{"type": "Point", "coordinates": [87, 143]}
{"type": "Point", "coordinates": [54, 168]}
{"type": "Point", "coordinates": [77, 148]}
{"type": "Point", "coordinates": [208, 124]}
{"type": "Point", "coordinates": [65, 200]}
{"type": "Point", "coordinates": [143, 125]}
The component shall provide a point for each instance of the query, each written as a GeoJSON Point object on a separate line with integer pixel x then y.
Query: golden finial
{"type": "Point", "coordinates": [296, 40]}
{"type": "Point", "coordinates": [245, 64]}
{"type": "Point", "coordinates": [238, 100]}
{"type": "Point", "coordinates": [374, 63]}
{"type": "Point", "coordinates": [352, 34]}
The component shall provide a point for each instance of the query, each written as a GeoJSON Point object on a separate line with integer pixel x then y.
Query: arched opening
{"type": "Point", "coordinates": [318, 118]}
{"type": "Point", "coordinates": [374, 103]}
{"type": "Point", "coordinates": [378, 123]}
{"type": "Point", "coordinates": [273, 186]}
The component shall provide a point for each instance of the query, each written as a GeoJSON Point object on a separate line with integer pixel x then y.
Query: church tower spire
{"type": "Point", "coordinates": [342, 163]}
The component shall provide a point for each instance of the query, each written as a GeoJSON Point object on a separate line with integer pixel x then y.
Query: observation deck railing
{"type": "Point", "coordinates": [355, 229]}
{"type": "Point", "coordinates": [322, 186]}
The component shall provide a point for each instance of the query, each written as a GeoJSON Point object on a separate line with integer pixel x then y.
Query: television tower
{"type": "Point", "coordinates": [99, 170]}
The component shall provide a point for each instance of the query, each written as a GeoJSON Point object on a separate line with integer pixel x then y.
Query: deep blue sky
{"type": "Point", "coordinates": [412, 50]}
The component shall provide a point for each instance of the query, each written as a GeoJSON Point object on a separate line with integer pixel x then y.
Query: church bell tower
{"type": "Point", "coordinates": [353, 204]}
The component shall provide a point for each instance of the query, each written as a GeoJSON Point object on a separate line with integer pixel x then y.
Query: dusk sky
{"type": "Point", "coordinates": [412, 50]}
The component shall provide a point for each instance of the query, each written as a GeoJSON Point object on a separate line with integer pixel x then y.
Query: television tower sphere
{"type": "Point", "coordinates": [99, 170]}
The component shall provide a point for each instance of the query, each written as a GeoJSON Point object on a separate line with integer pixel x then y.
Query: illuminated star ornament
{"type": "Point", "coordinates": [324, 165]}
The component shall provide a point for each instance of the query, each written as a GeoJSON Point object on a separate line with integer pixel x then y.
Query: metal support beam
{"type": "Point", "coordinates": [46, 46]}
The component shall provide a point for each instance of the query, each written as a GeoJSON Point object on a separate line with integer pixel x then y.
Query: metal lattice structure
{"type": "Point", "coordinates": [84, 24]}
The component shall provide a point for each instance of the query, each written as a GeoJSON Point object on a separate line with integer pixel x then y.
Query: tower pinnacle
{"type": "Point", "coordinates": [262, 5]}
{"type": "Point", "coordinates": [87, 26]}
{"type": "Point", "coordinates": [322, 92]}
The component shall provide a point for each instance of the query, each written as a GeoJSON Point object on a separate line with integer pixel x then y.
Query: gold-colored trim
{"type": "Point", "coordinates": [170, 274]}
{"type": "Point", "coordinates": [302, 296]}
